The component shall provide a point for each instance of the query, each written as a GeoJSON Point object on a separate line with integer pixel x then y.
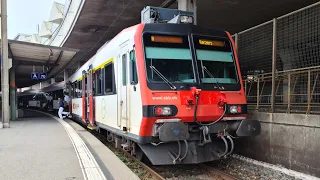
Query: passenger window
{"type": "Point", "coordinates": [80, 88]}
{"type": "Point", "coordinates": [109, 79]}
{"type": "Point", "coordinates": [73, 89]}
{"type": "Point", "coordinates": [98, 81]}
{"type": "Point", "coordinates": [133, 68]}
{"type": "Point", "coordinates": [124, 70]}
{"type": "Point", "coordinates": [76, 89]}
{"type": "Point", "coordinates": [93, 83]}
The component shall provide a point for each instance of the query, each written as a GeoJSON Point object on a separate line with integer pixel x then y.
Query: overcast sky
{"type": "Point", "coordinates": [24, 15]}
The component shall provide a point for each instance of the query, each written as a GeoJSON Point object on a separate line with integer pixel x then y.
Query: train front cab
{"type": "Point", "coordinates": [193, 98]}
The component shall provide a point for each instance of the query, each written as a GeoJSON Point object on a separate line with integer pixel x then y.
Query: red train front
{"type": "Point", "coordinates": [192, 94]}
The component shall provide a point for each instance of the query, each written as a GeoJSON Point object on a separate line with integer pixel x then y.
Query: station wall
{"type": "Point", "coordinates": [290, 140]}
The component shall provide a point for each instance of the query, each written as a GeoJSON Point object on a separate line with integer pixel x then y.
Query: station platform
{"type": "Point", "coordinates": [40, 146]}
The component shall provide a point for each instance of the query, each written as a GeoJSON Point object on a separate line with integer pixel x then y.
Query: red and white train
{"type": "Point", "coordinates": [170, 92]}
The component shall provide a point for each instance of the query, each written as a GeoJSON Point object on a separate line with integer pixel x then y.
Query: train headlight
{"type": "Point", "coordinates": [162, 111]}
{"type": "Point", "coordinates": [235, 109]}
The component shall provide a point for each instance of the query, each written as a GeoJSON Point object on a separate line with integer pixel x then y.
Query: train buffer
{"type": "Point", "coordinates": [41, 146]}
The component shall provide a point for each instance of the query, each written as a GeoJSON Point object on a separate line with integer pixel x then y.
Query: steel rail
{"type": "Point", "coordinates": [217, 174]}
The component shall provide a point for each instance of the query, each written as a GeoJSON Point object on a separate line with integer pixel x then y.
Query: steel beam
{"type": "Point", "coordinates": [43, 46]}
{"type": "Point", "coordinates": [167, 3]}
{"type": "Point", "coordinates": [274, 59]}
{"type": "Point", "coordinates": [33, 63]}
{"type": "Point", "coordinates": [56, 62]}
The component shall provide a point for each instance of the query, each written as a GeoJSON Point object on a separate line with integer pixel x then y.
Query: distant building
{"type": "Point", "coordinates": [32, 38]}
{"type": "Point", "coordinates": [50, 28]}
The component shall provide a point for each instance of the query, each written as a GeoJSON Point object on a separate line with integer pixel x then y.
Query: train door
{"type": "Point", "coordinates": [84, 97]}
{"type": "Point", "coordinates": [90, 101]}
{"type": "Point", "coordinates": [122, 87]}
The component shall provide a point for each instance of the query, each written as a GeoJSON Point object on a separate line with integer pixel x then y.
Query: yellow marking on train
{"type": "Point", "coordinates": [99, 67]}
{"type": "Point", "coordinates": [103, 64]}
{"type": "Point", "coordinates": [90, 127]}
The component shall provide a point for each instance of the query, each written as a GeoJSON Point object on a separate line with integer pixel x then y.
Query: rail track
{"type": "Point", "coordinates": [146, 172]}
{"type": "Point", "coordinates": [217, 174]}
{"type": "Point", "coordinates": [214, 173]}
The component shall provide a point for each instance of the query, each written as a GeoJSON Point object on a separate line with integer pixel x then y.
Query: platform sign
{"type": "Point", "coordinates": [34, 75]}
{"type": "Point", "coordinates": [43, 75]}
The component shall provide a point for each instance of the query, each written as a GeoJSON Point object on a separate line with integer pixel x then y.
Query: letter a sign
{"type": "Point", "coordinates": [34, 75]}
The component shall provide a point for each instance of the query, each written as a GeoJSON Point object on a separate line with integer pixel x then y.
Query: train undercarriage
{"type": "Point", "coordinates": [183, 143]}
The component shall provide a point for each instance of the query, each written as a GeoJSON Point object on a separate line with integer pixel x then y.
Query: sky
{"type": "Point", "coordinates": [25, 15]}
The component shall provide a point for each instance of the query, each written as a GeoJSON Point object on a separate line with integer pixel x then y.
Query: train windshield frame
{"type": "Point", "coordinates": [178, 60]}
{"type": "Point", "coordinates": [215, 60]}
{"type": "Point", "coordinates": [168, 59]}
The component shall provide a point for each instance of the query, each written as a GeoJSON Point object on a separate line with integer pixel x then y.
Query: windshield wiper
{"type": "Point", "coordinates": [163, 78]}
{"type": "Point", "coordinates": [211, 76]}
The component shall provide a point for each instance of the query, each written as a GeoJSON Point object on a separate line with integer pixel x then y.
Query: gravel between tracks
{"type": "Point", "coordinates": [241, 169]}
{"type": "Point", "coordinates": [182, 172]}
{"type": "Point", "coordinates": [238, 168]}
{"type": "Point", "coordinates": [248, 171]}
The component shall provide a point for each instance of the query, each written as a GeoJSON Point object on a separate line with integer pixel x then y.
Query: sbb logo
{"type": "Point", "coordinates": [75, 106]}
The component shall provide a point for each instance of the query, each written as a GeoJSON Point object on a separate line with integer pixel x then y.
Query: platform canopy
{"type": "Point", "coordinates": [29, 57]}
{"type": "Point", "coordinates": [100, 20]}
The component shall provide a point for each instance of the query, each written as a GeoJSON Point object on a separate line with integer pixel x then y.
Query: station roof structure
{"type": "Point", "coordinates": [28, 57]}
{"type": "Point", "coordinates": [101, 20]}
{"type": "Point", "coordinates": [98, 21]}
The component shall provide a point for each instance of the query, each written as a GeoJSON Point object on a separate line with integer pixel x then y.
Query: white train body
{"type": "Point", "coordinates": [107, 109]}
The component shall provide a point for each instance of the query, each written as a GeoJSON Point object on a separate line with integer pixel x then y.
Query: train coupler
{"type": "Point", "coordinates": [177, 157]}
{"type": "Point", "coordinates": [226, 144]}
{"type": "Point", "coordinates": [204, 136]}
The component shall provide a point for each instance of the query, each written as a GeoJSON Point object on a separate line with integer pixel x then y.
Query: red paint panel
{"type": "Point", "coordinates": [84, 109]}
{"type": "Point", "coordinates": [237, 62]}
{"type": "Point", "coordinates": [146, 126]}
{"type": "Point", "coordinates": [140, 64]}
{"type": "Point", "coordinates": [92, 122]}
{"type": "Point", "coordinates": [208, 108]}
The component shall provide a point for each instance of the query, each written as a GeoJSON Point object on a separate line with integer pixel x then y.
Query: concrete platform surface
{"type": "Point", "coordinates": [108, 161]}
{"type": "Point", "coordinates": [40, 146]}
{"type": "Point", "coordinates": [36, 148]}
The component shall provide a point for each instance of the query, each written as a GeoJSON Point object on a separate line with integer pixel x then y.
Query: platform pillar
{"type": "Point", "coordinates": [65, 75]}
{"type": "Point", "coordinates": [5, 121]}
{"type": "Point", "coordinates": [189, 5]}
{"type": "Point", "coordinates": [12, 90]}
{"type": "Point", "coordinates": [53, 80]}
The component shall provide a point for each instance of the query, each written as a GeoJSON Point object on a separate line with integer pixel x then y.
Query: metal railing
{"type": "Point", "coordinates": [280, 61]}
{"type": "Point", "coordinates": [295, 91]}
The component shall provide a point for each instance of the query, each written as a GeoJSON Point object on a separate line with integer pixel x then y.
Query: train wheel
{"type": "Point", "coordinates": [141, 156]}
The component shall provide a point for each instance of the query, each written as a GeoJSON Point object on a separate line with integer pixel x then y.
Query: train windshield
{"type": "Point", "coordinates": [168, 58]}
{"type": "Point", "coordinates": [215, 61]}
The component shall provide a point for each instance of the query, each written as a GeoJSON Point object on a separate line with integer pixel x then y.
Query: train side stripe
{"type": "Point", "coordinates": [99, 67]}
{"type": "Point", "coordinates": [103, 64]}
